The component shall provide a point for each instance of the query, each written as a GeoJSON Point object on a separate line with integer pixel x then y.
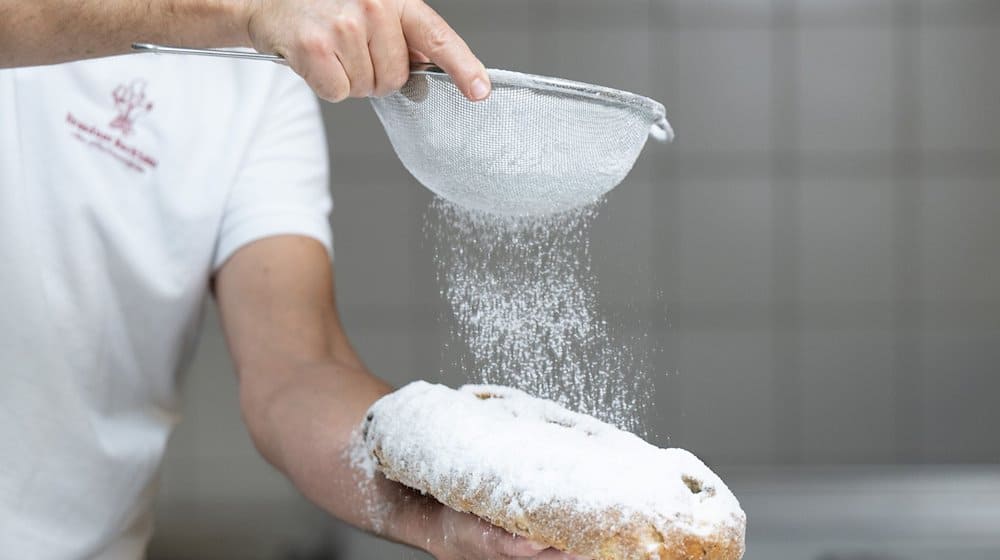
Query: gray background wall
{"type": "Point", "coordinates": [815, 257]}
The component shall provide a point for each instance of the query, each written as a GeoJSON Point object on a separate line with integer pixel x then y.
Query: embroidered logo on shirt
{"type": "Point", "coordinates": [130, 102]}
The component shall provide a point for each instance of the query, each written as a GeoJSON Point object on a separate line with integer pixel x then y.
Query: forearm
{"type": "Point", "coordinates": [304, 393]}
{"type": "Point", "coordinates": [304, 427]}
{"type": "Point", "coordinates": [39, 32]}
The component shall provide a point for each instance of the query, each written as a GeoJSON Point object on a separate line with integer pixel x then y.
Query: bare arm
{"type": "Point", "coordinates": [52, 31]}
{"type": "Point", "coordinates": [303, 391]}
{"type": "Point", "coordinates": [342, 48]}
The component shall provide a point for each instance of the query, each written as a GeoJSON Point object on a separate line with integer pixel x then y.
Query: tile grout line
{"type": "Point", "coordinates": [907, 371]}
{"type": "Point", "coordinates": [785, 241]}
{"type": "Point", "coordinates": [663, 185]}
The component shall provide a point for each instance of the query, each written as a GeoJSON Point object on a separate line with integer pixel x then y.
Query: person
{"type": "Point", "coordinates": [134, 187]}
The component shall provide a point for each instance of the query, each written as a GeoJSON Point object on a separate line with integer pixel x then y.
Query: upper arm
{"type": "Point", "coordinates": [282, 186]}
{"type": "Point", "coordinates": [276, 299]}
{"type": "Point", "coordinates": [273, 277]}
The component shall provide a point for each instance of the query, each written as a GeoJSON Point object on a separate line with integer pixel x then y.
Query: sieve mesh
{"type": "Point", "coordinates": [535, 146]}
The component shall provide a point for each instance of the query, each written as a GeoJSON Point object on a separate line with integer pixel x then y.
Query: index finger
{"type": "Point", "coordinates": [429, 33]}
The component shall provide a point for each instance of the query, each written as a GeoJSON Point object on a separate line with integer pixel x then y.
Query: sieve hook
{"type": "Point", "coordinates": [661, 130]}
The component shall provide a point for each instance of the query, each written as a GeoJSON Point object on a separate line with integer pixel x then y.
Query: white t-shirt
{"type": "Point", "coordinates": [125, 183]}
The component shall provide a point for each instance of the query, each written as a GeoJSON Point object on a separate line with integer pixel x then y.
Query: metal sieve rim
{"type": "Point", "coordinates": [660, 128]}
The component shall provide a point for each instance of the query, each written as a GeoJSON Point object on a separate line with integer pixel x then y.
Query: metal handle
{"type": "Point", "coordinates": [415, 68]}
{"type": "Point", "coordinates": [224, 53]}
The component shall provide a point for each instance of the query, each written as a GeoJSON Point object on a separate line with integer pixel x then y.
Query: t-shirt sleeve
{"type": "Point", "coordinates": [282, 186]}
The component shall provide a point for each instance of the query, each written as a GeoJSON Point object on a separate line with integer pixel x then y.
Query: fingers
{"type": "Point", "coordinates": [472, 537]}
{"type": "Point", "coordinates": [428, 33]}
{"type": "Point", "coordinates": [350, 33]}
{"type": "Point", "coordinates": [389, 53]}
{"type": "Point", "coordinates": [504, 543]}
{"type": "Point", "coordinates": [363, 47]}
{"type": "Point", "coordinates": [553, 554]}
{"type": "Point", "coordinates": [318, 64]}
{"type": "Point", "coordinates": [477, 537]}
{"type": "Point", "coordinates": [331, 53]}
{"type": "Point", "coordinates": [518, 547]}
{"type": "Point", "coordinates": [499, 543]}
{"type": "Point", "coordinates": [417, 56]}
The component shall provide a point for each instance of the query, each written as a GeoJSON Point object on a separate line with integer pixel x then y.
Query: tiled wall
{"type": "Point", "coordinates": [818, 254]}
{"type": "Point", "coordinates": [820, 248]}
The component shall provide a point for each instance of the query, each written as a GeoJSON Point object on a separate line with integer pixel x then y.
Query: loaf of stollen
{"type": "Point", "coordinates": [560, 478]}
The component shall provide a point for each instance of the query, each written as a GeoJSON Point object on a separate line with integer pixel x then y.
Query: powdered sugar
{"type": "Point", "coordinates": [363, 471]}
{"type": "Point", "coordinates": [358, 457]}
{"type": "Point", "coordinates": [525, 311]}
{"type": "Point", "coordinates": [535, 453]}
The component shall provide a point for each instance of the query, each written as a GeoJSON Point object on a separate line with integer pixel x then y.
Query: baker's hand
{"type": "Point", "coordinates": [466, 537]}
{"type": "Point", "coordinates": [358, 48]}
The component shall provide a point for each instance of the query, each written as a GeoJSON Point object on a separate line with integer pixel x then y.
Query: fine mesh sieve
{"type": "Point", "coordinates": [536, 146]}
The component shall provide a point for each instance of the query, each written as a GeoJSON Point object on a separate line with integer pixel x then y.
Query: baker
{"type": "Point", "coordinates": [134, 187]}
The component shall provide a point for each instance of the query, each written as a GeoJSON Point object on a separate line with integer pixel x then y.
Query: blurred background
{"type": "Point", "coordinates": [815, 259]}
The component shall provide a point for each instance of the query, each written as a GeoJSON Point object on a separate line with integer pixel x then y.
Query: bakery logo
{"type": "Point", "coordinates": [130, 103]}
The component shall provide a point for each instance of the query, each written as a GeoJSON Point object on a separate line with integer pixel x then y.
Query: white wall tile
{"type": "Point", "coordinates": [846, 250]}
{"type": "Point", "coordinates": [723, 98]}
{"type": "Point", "coordinates": [958, 233]}
{"type": "Point", "coordinates": [848, 397]}
{"type": "Point", "coordinates": [725, 241]}
{"type": "Point", "coordinates": [846, 89]}
{"type": "Point", "coordinates": [727, 409]}
{"type": "Point", "coordinates": [959, 87]}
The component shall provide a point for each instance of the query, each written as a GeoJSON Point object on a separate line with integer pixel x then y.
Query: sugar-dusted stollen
{"type": "Point", "coordinates": [563, 479]}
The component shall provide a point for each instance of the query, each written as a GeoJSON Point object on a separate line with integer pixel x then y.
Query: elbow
{"type": "Point", "coordinates": [260, 408]}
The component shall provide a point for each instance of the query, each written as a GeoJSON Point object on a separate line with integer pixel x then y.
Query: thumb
{"type": "Point", "coordinates": [428, 33]}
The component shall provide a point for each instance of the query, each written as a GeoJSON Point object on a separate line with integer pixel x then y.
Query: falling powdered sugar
{"type": "Point", "coordinates": [525, 311]}
{"type": "Point", "coordinates": [363, 469]}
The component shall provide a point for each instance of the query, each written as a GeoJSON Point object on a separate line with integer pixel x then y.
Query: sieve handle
{"type": "Point", "coordinates": [224, 53]}
{"type": "Point", "coordinates": [415, 68]}
{"type": "Point", "coordinates": [426, 68]}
